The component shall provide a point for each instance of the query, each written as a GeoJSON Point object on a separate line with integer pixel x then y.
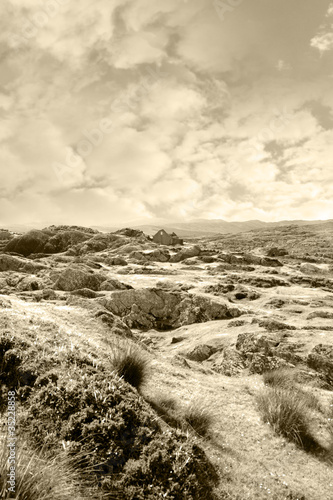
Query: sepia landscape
{"type": "Point", "coordinates": [148, 370]}
{"type": "Point", "coordinates": [166, 249]}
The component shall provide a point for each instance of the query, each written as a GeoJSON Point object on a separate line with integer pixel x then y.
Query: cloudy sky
{"type": "Point", "coordinates": [115, 110]}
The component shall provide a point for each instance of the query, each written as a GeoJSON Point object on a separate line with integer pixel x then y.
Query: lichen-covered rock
{"type": "Point", "coordinates": [101, 242]}
{"type": "Point", "coordinates": [186, 253]}
{"type": "Point", "coordinates": [113, 284]}
{"type": "Point", "coordinates": [276, 252]}
{"type": "Point", "coordinates": [158, 255]}
{"type": "Point", "coordinates": [321, 314]}
{"type": "Point", "coordinates": [116, 261]}
{"type": "Point", "coordinates": [74, 278]}
{"type": "Point", "coordinates": [11, 263]}
{"type": "Point", "coordinates": [250, 343]}
{"type": "Point", "coordinates": [154, 308]}
{"type": "Point", "coordinates": [63, 240]}
{"type": "Point", "coordinates": [228, 362]}
{"type": "Point", "coordinates": [200, 352]}
{"type": "Point", "coordinates": [117, 326]}
{"type": "Point", "coordinates": [261, 363]}
{"type": "Point", "coordinates": [306, 267]}
{"type": "Point", "coordinates": [30, 283]}
{"type": "Point", "coordinates": [26, 244]}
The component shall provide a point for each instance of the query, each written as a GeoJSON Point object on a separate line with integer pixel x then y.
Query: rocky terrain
{"type": "Point", "coordinates": [212, 316]}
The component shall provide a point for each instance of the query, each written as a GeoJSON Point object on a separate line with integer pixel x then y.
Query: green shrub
{"type": "Point", "coordinates": [131, 364]}
{"type": "Point", "coordinates": [288, 413]}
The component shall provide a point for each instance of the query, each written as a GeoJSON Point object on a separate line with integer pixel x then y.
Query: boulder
{"type": "Point", "coordinates": [5, 235]}
{"type": "Point", "coordinates": [321, 314]}
{"type": "Point", "coordinates": [63, 240]}
{"type": "Point", "coordinates": [117, 326]}
{"type": "Point", "coordinates": [276, 252]}
{"type": "Point", "coordinates": [250, 343]}
{"type": "Point", "coordinates": [100, 242]}
{"type": "Point", "coordinates": [11, 263]}
{"type": "Point", "coordinates": [87, 293]}
{"type": "Point", "coordinates": [116, 261]}
{"type": "Point", "coordinates": [158, 255]}
{"type": "Point", "coordinates": [49, 294]}
{"type": "Point", "coordinates": [261, 363]}
{"type": "Point", "coordinates": [29, 284]}
{"type": "Point", "coordinates": [200, 352]}
{"type": "Point", "coordinates": [186, 253]}
{"type": "Point", "coordinates": [138, 256]}
{"type": "Point", "coordinates": [228, 362]}
{"type": "Point", "coordinates": [305, 267]}
{"type": "Point", "coordinates": [113, 284]}
{"type": "Point", "coordinates": [26, 244]}
{"type": "Point", "coordinates": [272, 324]}
{"type": "Point", "coordinates": [154, 308]}
{"type": "Point", "coordinates": [74, 278]}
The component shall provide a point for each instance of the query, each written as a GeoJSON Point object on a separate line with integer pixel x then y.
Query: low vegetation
{"type": "Point", "coordinates": [131, 364]}
{"type": "Point", "coordinates": [287, 412]}
{"type": "Point", "coordinates": [198, 418]}
{"type": "Point", "coordinates": [41, 477]}
{"type": "Point", "coordinates": [66, 400]}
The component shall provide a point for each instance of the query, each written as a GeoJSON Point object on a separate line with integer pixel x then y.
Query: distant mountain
{"type": "Point", "coordinates": [200, 228]}
{"type": "Point", "coordinates": [195, 228]}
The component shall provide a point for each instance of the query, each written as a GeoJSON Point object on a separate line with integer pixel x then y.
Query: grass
{"type": "Point", "coordinates": [195, 416]}
{"type": "Point", "coordinates": [39, 477]}
{"type": "Point", "coordinates": [198, 418]}
{"type": "Point", "coordinates": [287, 411]}
{"type": "Point", "coordinates": [131, 364]}
{"type": "Point", "coordinates": [282, 377]}
{"type": "Point", "coordinates": [285, 378]}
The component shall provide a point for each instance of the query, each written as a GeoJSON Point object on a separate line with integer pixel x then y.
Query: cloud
{"type": "Point", "coordinates": [203, 122]}
{"type": "Point", "coordinates": [323, 41]}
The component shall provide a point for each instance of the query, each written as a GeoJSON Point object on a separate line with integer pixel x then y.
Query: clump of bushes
{"type": "Point", "coordinates": [102, 416]}
{"type": "Point", "coordinates": [96, 413]}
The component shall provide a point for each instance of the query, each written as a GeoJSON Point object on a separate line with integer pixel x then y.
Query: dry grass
{"type": "Point", "coordinates": [198, 417]}
{"type": "Point", "coordinates": [287, 411]}
{"type": "Point", "coordinates": [39, 477]}
{"type": "Point", "coordinates": [131, 364]}
{"type": "Point", "coordinates": [282, 377]}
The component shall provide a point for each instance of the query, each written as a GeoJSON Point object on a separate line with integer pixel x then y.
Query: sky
{"type": "Point", "coordinates": [120, 110]}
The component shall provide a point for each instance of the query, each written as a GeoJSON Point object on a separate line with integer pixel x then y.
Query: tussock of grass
{"type": "Point", "coordinates": [288, 413]}
{"type": "Point", "coordinates": [286, 378]}
{"type": "Point", "coordinates": [131, 364]}
{"type": "Point", "coordinates": [281, 377]}
{"type": "Point", "coordinates": [199, 418]}
{"type": "Point", "coordinates": [39, 477]}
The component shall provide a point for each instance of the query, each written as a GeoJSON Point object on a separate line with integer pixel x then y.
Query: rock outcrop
{"type": "Point", "coordinates": [75, 278]}
{"type": "Point", "coordinates": [26, 244]}
{"type": "Point", "coordinates": [154, 308]}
